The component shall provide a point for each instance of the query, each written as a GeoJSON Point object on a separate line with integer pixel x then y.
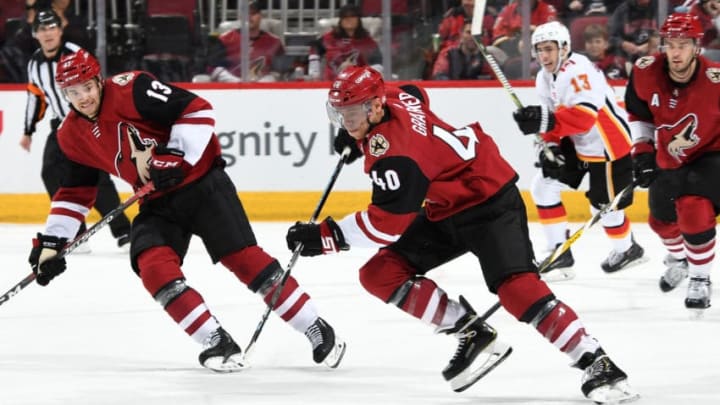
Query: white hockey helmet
{"type": "Point", "coordinates": [551, 31]}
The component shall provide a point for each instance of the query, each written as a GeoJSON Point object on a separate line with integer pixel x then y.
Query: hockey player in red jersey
{"type": "Point", "coordinates": [673, 100]}
{"type": "Point", "coordinates": [440, 192]}
{"type": "Point", "coordinates": [140, 129]}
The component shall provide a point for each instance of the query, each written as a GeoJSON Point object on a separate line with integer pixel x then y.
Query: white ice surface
{"type": "Point", "coordinates": [94, 336]}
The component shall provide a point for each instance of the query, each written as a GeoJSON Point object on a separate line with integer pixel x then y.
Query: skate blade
{"type": "Point", "coordinates": [618, 393]}
{"type": "Point", "coordinates": [232, 364]}
{"type": "Point", "coordinates": [630, 265]}
{"type": "Point", "coordinates": [559, 274]}
{"type": "Point", "coordinates": [696, 314]}
{"type": "Point", "coordinates": [470, 376]}
{"type": "Point", "coordinates": [333, 359]}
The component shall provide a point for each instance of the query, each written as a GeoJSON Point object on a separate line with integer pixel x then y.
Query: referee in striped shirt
{"type": "Point", "coordinates": [42, 91]}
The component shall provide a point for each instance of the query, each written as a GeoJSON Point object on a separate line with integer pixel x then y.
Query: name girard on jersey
{"type": "Point", "coordinates": [417, 116]}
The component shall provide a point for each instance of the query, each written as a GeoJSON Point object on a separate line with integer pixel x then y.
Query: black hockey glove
{"type": "Point", "coordinates": [166, 167]}
{"type": "Point", "coordinates": [342, 140]}
{"type": "Point", "coordinates": [317, 239]}
{"type": "Point", "coordinates": [645, 169]}
{"type": "Point", "coordinates": [553, 169]}
{"type": "Point", "coordinates": [534, 119]}
{"type": "Point", "coordinates": [43, 258]}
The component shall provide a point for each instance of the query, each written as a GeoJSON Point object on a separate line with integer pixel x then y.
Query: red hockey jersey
{"type": "Point", "coordinates": [137, 113]}
{"type": "Point", "coordinates": [686, 117]}
{"type": "Point", "coordinates": [415, 158]}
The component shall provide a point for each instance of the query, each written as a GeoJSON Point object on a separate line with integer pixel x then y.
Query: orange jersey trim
{"type": "Point", "coordinates": [615, 135]}
{"type": "Point", "coordinates": [41, 96]}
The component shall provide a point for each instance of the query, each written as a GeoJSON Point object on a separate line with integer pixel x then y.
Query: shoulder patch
{"type": "Point", "coordinates": [713, 73]}
{"type": "Point", "coordinates": [378, 145]}
{"type": "Point", "coordinates": [644, 62]}
{"type": "Point", "coordinates": [123, 78]}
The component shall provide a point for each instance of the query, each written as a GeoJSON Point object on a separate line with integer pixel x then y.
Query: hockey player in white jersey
{"type": "Point", "coordinates": [586, 132]}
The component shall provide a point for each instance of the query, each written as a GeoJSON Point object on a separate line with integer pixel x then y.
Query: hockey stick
{"type": "Point", "coordinates": [83, 237]}
{"type": "Point", "coordinates": [476, 33]}
{"type": "Point", "coordinates": [296, 254]}
{"type": "Point", "coordinates": [562, 248]}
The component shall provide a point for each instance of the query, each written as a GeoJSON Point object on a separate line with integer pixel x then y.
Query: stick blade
{"type": "Point", "coordinates": [477, 20]}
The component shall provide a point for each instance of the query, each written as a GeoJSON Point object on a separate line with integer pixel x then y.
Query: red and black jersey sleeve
{"type": "Point", "coordinates": [636, 107]}
{"type": "Point", "coordinates": [399, 186]}
{"type": "Point", "coordinates": [73, 201]}
{"type": "Point", "coordinates": [160, 102]}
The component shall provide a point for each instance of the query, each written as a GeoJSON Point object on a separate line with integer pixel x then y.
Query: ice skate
{"type": "Point", "coordinates": [560, 269]}
{"type": "Point", "coordinates": [328, 348]}
{"type": "Point", "coordinates": [221, 353]}
{"type": "Point", "coordinates": [698, 295]}
{"type": "Point", "coordinates": [478, 351]}
{"type": "Point", "coordinates": [618, 261]}
{"type": "Point", "coordinates": [603, 382]}
{"type": "Point", "coordinates": [676, 272]}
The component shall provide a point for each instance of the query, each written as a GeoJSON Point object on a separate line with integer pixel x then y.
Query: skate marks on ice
{"type": "Point", "coordinates": [95, 336]}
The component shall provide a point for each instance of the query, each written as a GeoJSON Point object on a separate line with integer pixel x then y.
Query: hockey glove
{"type": "Point", "coordinates": [553, 169]}
{"type": "Point", "coordinates": [43, 258]}
{"type": "Point", "coordinates": [317, 239]}
{"type": "Point", "coordinates": [534, 119]}
{"type": "Point", "coordinates": [645, 169]}
{"type": "Point", "coordinates": [166, 169]}
{"type": "Point", "coordinates": [342, 140]}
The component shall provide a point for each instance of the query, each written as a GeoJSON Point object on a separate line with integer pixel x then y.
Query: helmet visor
{"type": "Point", "coordinates": [349, 117]}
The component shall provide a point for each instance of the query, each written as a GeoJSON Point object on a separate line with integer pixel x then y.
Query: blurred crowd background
{"type": "Point", "coordinates": [294, 40]}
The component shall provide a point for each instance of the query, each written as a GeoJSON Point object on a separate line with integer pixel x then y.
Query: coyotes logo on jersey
{"type": "Point", "coordinates": [713, 74]}
{"type": "Point", "coordinates": [644, 62]}
{"type": "Point", "coordinates": [378, 145]}
{"type": "Point", "coordinates": [140, 151]}
{"type": "Point", "coordinates": [123, 78]}
{"type": "Point", "coordinates": [681, 136]}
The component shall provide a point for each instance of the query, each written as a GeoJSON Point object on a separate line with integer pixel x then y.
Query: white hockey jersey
{"type": "Point", "coordinates": [586, 109]}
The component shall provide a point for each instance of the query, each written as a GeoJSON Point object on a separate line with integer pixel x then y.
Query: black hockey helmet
{"type": "Point", "coordinates": [46, 17]}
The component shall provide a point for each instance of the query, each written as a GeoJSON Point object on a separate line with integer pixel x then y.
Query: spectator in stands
{"type": "Point", "coordinates": [579, 8]}
{"type": "Point", "coordinates": [266, 50]}
{"type": "Point", "coordinates": [508, 25]}
{"type": "Point", "coordinates": [462, 61]}
{"type": "Point", "coordinates": [612, 5]}
{"type": "Point", "coordinates": [708, 11]}
{"type": "Point", "coordinates": [348, 43]}
{"type": "Point", "coordinates": [507, 30]}
{"type": "Point", "coordinates": [631, 26]}
{"type": "Point", "coordinates": [74, 24]}
{"type": "Point", "coordinates": [449, 33]}
{"type": "Point", "coordinates": [559, 6]}
{"type": "Point", "coordinates": [451, 26]}
{"type": "Point", "coordinates": [597, 49]}
{"type": "Point", "coordinates": [10, 9]}
{"type": "Point", "coordinates": [18, 46]}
